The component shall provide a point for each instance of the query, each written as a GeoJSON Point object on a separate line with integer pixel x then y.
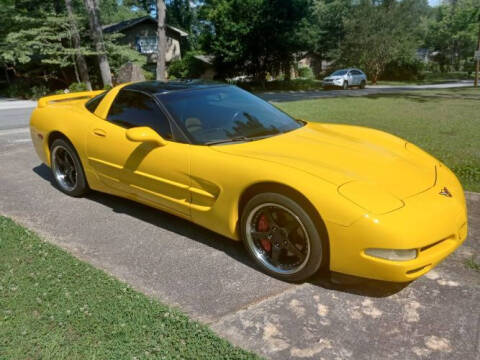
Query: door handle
{"type": "Point", "coordinates": [99, 132]}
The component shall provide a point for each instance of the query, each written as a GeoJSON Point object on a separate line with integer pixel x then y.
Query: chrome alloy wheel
{"type": "Point", "coordinates": [278, 238]}
{"type": "Point", "coordinates": [64, 168]}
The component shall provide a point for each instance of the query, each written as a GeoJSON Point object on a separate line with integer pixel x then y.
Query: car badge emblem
{"type": "Point", "coordinates": [445, 192]}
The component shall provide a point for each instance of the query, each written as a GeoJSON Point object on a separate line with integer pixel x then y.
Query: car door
{"type": "Point", "coordinates": [355, 77]}
{"type": "Point", "coordinates": [350, 78]}
{"type": "Point", "coordinates": [156, 174]}
{"type": "Point", "coordinates": [362, 76]}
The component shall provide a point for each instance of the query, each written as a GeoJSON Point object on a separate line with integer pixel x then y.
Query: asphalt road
{"type": "Point", "coordinates": [14, 118]}
{"type": "Point", "coordinates": [283, 96]}
{"type": "Point", "coordinates": [210, 278]}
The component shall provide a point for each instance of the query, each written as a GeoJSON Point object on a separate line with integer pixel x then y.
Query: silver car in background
{"type": "Point", "coordinates": [345, 78]}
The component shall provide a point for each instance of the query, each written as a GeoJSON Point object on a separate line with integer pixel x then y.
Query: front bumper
{"type": "Point", "coordinates": [433, 224]}
{"type": "Point", "coordinates": [332, 83]}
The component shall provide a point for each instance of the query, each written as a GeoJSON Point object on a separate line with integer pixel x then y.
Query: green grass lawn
{"type": "Point", "coordinates": [53, 306]}
{"type": "Point", "coordinates": [445, 123]}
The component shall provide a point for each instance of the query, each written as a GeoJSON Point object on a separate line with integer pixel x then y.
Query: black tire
{"type": "Point", "coordinates": [345, 85]}
{"type": "Point", "coordinates": [80, 185]}
{"type": "Point", "coordinates": [363, 84]}
{"type": "Point", "coordinates": [317, 253]}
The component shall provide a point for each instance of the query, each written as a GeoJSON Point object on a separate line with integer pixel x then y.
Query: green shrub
{"type": "Point", "coordinates": [149, 75]}
{"type": "Point", "coordinates": [77, 87]}
{"type": "Point", "coordinates": [187, 68]}
{"type": "Point", "coordinates": [306, 72]}
{"type": "Point", "coordinates": [19, 88]}
{"type": "Point", "coordinates": [177, 69]}
{"type": "Point", "coordinates": [38, 91]}
{"type": "Point", "coordinates": [406, 70]}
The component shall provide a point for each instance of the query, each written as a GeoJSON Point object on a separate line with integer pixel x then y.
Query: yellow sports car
{"type": "Point", "coordinates": [300, 195]}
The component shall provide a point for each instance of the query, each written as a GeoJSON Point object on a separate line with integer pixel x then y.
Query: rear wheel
{"type": "Point", "coordinates": [67, 170]}
{"type": "Point", "coordinates": [281, 237]}
{"type": "Point", "coordinates": [363, 84]}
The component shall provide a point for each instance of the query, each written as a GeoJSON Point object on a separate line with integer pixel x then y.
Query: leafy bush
{"type": "Point", "coordinates": [77, 87]}
{"type": "Point", "coordinates": [306, 72]}
{"type": "Point", "coordinates": [398, 70]}
{"type": "Point", "coordinates": [439, 76]}
{"type": "Point", "coordinates": [25, 90]}
{"type": "Point", "coordinates": [38, 91]}
{"type": "Point", "coordinates": [187, 68]}
{"type": "Point", "coordinates": [149, 75]}
{"type": "Point", "coordinates": [19, 89]}
{"type": "Point", "coordinates": [177, 69]}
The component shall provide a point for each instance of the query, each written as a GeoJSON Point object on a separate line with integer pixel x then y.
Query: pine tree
{"type": "Point", "coordinates": [80, 58]}
{"type": "Point", "coordinates": [97, 37]}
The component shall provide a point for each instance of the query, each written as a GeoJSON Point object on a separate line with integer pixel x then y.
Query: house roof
{"type": "Point", "coordinates": [122, 25]}
{"type": "Point", "coordinates": [207, 59]}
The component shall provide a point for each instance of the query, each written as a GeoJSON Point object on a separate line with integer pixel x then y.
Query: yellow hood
{"type": "Point", "coordinates": [342, 153]}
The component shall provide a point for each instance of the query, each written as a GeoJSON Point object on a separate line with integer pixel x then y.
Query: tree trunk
{"type": "Point", "coordinates": [162, 40]}
{"type": "Point", "coordinates": [287, 71]}
{"type": "Point", "coordinates": [80, 59]}
{"type": "Point", "coordinates": [97, 37]}
{"type": "Point", "coordinates": [7, 77]}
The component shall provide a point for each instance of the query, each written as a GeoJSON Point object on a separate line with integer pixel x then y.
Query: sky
{"type": "Point", "coordinates": [434, 2]}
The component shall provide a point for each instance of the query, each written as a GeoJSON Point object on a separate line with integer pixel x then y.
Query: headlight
{"type": "Point", "coordinates": [391, 254]}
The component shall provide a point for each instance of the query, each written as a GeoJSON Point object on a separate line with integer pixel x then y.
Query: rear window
{"type": "Point", "coordinates": [92, 104]}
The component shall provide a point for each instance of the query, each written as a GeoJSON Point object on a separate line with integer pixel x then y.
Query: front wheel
{"type": "Point", "coordinates": [67, 170]}
{"type": "Point", "coordinates": [281, 237]}
{"type": "Point", "coordinates": [345, 85]}
{"type": "Point", "coordinates": [363, 84]}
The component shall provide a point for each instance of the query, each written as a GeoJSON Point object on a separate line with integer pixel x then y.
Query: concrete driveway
{"type": "Point", "coordinates": [210, 277]}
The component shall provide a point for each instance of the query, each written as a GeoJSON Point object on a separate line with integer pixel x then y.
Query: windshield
{"type": "Point", "coordinates": [224, 114]}
{"type": "Point", "coordinates": [339, 73]}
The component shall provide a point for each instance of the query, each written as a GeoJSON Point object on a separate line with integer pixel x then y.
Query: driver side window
{"type": "Point", "coordinates": [134, 109]}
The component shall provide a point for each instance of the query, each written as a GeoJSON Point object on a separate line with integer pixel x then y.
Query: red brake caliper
{"type": "Point", "coordinates": [262, 226]}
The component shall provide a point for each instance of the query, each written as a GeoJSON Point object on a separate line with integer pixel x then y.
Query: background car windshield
{"type": "Point", "coordinates": [339, 73]}
{"type": "Point", "coordinates": [225, 112]}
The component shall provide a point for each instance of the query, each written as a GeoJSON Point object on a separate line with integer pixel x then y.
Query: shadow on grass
{"type": "Point", "coordinates": [234, 249]}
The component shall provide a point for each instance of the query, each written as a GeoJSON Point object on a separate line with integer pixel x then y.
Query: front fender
{"type": "Point", "coordinates": [228, 176]}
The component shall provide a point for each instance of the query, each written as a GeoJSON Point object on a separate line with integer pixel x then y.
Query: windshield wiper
{"type": "Point", "coordinates": [236, 139]}
{"type": "Point", "coordinates": [223, 141]}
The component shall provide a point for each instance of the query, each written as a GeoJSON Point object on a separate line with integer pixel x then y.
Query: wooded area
{"type": "Point", "coordinates": [46, 45]}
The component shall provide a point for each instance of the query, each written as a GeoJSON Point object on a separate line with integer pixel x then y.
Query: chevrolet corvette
{"type": "Point", "coordinates": [300, 195]}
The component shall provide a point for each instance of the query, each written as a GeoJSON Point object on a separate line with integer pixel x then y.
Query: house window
{"type": "Point", "coordinates": [147, 44]}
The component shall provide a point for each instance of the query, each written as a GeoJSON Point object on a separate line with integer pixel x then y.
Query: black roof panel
{"type": "Point", "coordinates": [158, 87]}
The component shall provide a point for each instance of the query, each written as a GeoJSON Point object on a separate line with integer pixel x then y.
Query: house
{"type": "Point", "coordinates": [209, 72]}
{"type": "Point", "coordinates": [141, 34]}
{"type": "Point", "coordinates": [314, 62]}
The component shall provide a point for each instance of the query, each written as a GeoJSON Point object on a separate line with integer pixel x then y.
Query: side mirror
{"type": "Point", "coordinates": [144, 134]}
